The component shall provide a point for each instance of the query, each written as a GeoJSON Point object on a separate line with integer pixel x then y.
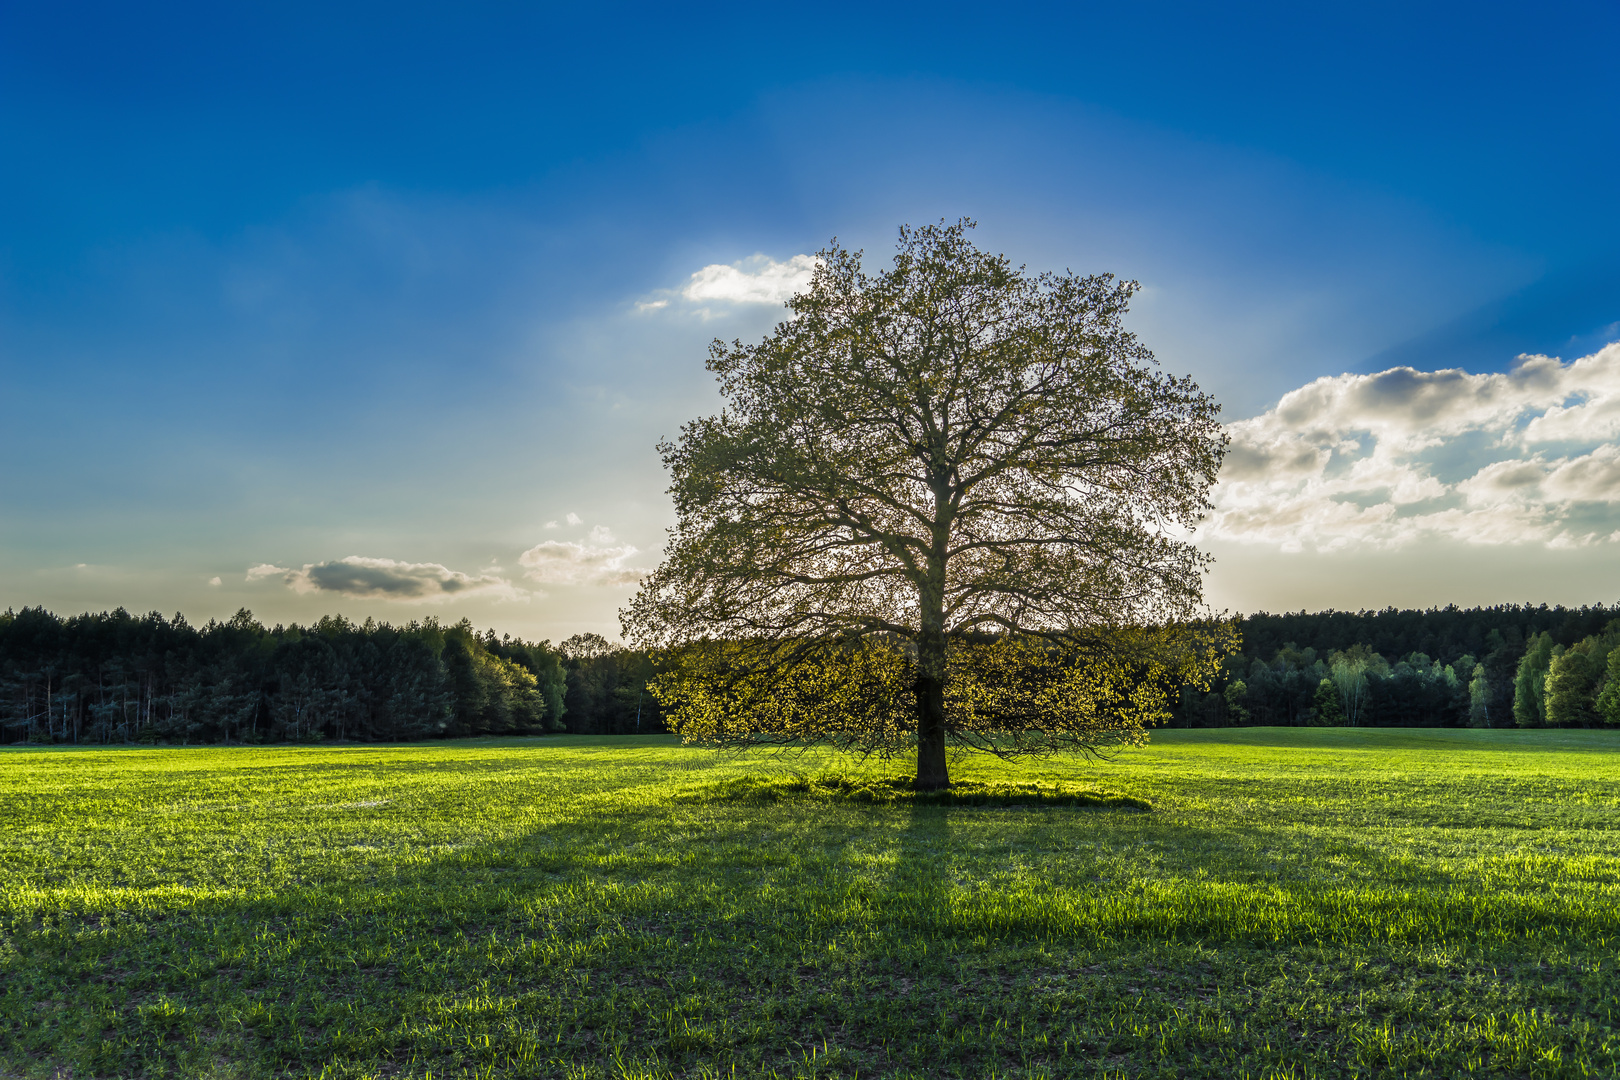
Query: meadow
{"type": "Point", "coordinates": [1296, 903]}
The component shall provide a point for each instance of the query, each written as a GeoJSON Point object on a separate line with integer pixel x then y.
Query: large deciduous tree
{"type": "Point", "coordinates": [948, 501]}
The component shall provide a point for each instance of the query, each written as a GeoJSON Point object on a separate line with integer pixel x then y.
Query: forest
{"type": "Point", "coordinates": [1505, 666]}
{"type": "Point", "coordinates": [119, 678]}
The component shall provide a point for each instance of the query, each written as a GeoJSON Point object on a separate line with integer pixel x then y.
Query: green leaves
{"type": "Point", "coordinates": [1008, 696]}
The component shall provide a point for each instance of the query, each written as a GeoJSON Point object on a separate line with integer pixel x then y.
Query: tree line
{"type": "Point", "coordinates": [1505, 666]}
{"type": "Point", "coordinates": [115, 677]}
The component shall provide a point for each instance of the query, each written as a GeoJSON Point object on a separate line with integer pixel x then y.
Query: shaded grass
{"type": "Point", "coordinates": [902, 791]}
{"type": "Point", "coordinates": [1322, 902]}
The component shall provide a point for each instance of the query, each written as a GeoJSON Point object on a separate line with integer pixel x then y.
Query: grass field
{"type": "Point", "coordinates": [1317, 902]}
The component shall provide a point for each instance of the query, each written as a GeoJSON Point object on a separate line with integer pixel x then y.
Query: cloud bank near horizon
{"type": "Point", "coordinates": [1530, 456]}
{"type": "Point", "coordinates": [387, 579]}
{"type": "Point", "coordinates": [598, 561]}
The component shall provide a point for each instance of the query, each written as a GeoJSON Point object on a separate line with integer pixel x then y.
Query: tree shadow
{"type": "Point", "coordinates": [918, 891]}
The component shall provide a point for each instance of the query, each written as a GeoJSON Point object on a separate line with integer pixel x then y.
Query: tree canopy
{"type": "Point", "coordinates": [922, 480]}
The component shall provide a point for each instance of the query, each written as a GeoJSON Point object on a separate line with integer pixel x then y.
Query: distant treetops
{"type": "Point", "coordinates": [1574, 687]}
{"type": "Point", "coordinates": [114, 677]}
{"type": "Point", "coordinates": [1510, 665]}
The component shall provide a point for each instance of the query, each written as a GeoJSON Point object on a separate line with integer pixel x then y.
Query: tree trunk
{"type": "Point", "coordinates": [932, 771]}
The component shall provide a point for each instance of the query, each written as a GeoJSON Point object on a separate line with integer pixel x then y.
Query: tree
{"type": "Point", "coordinates": [920, 478]}
{"type": "Point", "coordinates": [1570, 688]}
{"type": "Point", "coordinates": [586, 647]}
{"type": "Point", "coordinates": [1328, 706]}
{"type": "Point", "coordinates": [1349, 670]}
{"type": "Point", "coordinates": [1237, 695]}
{"type": "Point", "coordinates": [1530, 683]}
{"type": "Point", "coordinates": [1479, 697]}
{"type": "Point", "coordinates": [1608, 699]}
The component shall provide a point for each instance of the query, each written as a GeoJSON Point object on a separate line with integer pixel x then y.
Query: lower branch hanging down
{"type": "Point", "coordinates": [1005, 695]}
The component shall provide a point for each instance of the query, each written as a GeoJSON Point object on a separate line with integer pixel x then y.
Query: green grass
{"type": "Point", "coordinates": [901, 791]}
{"type": "Point", "coordinates": [1316, 902]}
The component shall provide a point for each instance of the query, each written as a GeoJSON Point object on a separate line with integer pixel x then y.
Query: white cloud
{"type": "Point", "coordinates": [562, 562]}
{"type": "Point", "coordinates": [387, 579]}
{"type": "Point", "coordinates": [574, 519]}
{"type": "Point", "coordinates": [1593, 477]}
{"type": "Point", "coordinates": [757, 279]}
{"type": "Point", "coordinates": [550, 525]}
{"type": "Point", "coordinates": [214, 580]}
{"type": "Point", "coordinates": [1382, 460]}
{"type": "Point", "coordinates": [1513, 482]}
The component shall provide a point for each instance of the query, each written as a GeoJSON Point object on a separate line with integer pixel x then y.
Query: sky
{"type": "Point", "coordinates": [383, 309]}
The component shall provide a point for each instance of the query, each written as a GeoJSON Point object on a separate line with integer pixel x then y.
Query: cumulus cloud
{"type": "Point", "coordinates": [1381, 460]}
{"type": "Point", "coordinates": [755, 280]}
{"type": "Point", "coordinates": [386, 579]}
{"type": "Point", "coordinates": [598, 562]}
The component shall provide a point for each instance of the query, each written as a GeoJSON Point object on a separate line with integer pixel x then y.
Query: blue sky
{"type": "Point", "coordinates": [282, 287]}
